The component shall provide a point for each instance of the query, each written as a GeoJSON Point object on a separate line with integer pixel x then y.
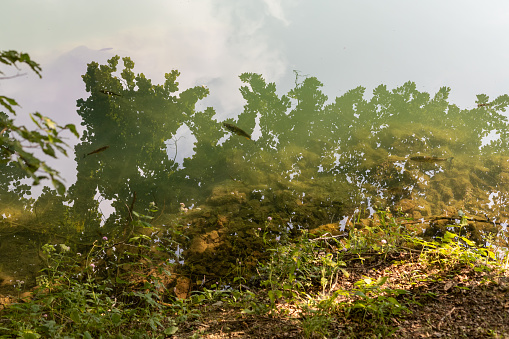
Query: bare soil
{"type": "Point", "coordinates": [456, 301]}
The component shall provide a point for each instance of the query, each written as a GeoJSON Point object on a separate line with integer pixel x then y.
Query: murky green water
{"type": "Point", "coordinates": [311, 161]}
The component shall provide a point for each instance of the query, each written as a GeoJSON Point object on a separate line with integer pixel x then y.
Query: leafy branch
{"type": "Point", "coordinates": [15, 140]}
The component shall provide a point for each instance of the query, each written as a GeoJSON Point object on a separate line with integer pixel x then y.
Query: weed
{"type": "Point", "coordinates": [374, 301]}
{"type": "Point", "coordinates": [78, 295]}
{"type": "Point", "coordinates": [120, 289]}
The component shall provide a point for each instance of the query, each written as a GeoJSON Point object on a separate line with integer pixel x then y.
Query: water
{"type": "Point", "coordinates": [312, 163]}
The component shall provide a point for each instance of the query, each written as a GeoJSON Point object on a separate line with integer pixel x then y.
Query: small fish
{"type": "Point", "coordinates": [99, 150]}
{"type": "Point", "coordinates": [427, 158]}
{"type": "Point", "coordinates": [483, 105]}
{"type": "Point", "coordinates": [236, 130]}
{"type": "Point", "coordinates": [110, 93]}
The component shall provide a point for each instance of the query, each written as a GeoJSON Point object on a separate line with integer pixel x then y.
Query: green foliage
{"type": "Point", "coordinates": [453, 249]}
{"type": "Point", "coordinates": [64, 303]}
{"type": "Point", "coordinates": [77, 295]}
{"type": "Point", "coordinates": [375, 301]}
{"type": "Point", "coordinates": [10, 58]}
{"type": "Point", "coordinates": [295, 268]}
{"type": "Point", "coordinates": [86, 295]}
{"type": "Point", "coordinates": [16, 140]}
{"type": "Point", "coordinates": [329, 157]}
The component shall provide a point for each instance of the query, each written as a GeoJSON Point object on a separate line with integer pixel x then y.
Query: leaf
{"type": "Point", "coordinates": [273, 295]}
{"type": "Point", "coordinates": [287, 286]}
{"type": "Point", "coordinates": [381, 281]}
{"type": "Point", "coordinates": [50, 123]}
{"type": "Point", "coordinates": [72, 128]}
{"type": "Point", "coordinates": [75, 315]}
{"type": "Point", "coordinates": [360, 294]}
{"type": "Point", "coordinates": [8, 103]}
{"type": "Point", "coordinates": [448, 285]}
{"type": "Point", "coordinates": [59, 186]}
{"type": "Point", "coordinates": [34, 120]}
{"type": "Point", "coordinates": [145, 224]}
{"type": "Point", "coordinates": [30, 335]}
{"type": "Point", "coordinates": [116, 318]}
{"type": "Point", "coordinates": [393, 301]}
{"type": "Point", "coordinates": [171, 330]}
{"type": "Point", "coordinates": [448, 236]}
{"type": "Point", "coordinates": [49, 151]}
{"type": "Point", "coordinates": [468, 241]}
{"type": "Point", "coordinates": [120, 281]}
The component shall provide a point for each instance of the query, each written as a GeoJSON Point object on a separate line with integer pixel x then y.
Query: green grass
{"type": "Point", "coordinates": [121, 290]}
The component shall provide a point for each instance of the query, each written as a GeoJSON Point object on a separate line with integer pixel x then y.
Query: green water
{"type": "Point", "coordinates": [314, 161]}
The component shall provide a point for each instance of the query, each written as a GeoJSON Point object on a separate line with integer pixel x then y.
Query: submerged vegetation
{"type": "Point", "coordinates": [340, 214]}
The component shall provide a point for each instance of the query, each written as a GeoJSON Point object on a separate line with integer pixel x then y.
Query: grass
{"type": "Point", "coordinates": [366, 284]}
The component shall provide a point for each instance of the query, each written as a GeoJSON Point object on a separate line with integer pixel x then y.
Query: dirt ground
{"type": "Point", "coordinates": [445, 302]}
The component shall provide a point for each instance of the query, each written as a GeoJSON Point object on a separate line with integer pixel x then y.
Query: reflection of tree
{"type": "Point", "coordinates": [206, 165]}
{"type": "Point", "coordinates": [369, 143]}
{"type": "Point", "coordinates": [306, 144]}
{"type": "Point", "coordinates": [13, 205]}
{"type": "Point", "coordinates": [261, 98]}
{"type": "Point", "coordinates": [135, 125]}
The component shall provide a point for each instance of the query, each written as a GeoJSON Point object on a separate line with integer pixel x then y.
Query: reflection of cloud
{"type": "Point", "coordinates": [61, 85]}
{"type": "Point", "coordinates": [275, 9]}
{"type": "Point", "coordinates": [214, 42]}
{"type": "Point", "coordinates": [204, 39]}
{"type": "Point", "coordinates": [209, 44]}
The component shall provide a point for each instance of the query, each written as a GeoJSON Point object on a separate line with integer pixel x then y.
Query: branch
{"type": "Point", "coordinates": [13, 76]}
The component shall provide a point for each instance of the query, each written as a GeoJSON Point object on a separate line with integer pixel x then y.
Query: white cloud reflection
{"type": "Point", "coordinates": [461, 44]}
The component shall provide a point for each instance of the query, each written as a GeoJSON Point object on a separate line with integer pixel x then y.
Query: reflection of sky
{"type": "Point", "coordinates": [460, 44]}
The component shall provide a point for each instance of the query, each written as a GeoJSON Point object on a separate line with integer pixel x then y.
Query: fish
{"type": "Point", "coordinates": [427, 158]}
{"type": "Point", "coordinates": [99, 150]}
{"type": "Point", "coordinates": [109, 93]}
{"type": "Point", "coordinates": [237, 130]}
{"type": "Point", "coordinates": [483, 105]}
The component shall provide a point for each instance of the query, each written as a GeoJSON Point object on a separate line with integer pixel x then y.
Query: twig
{"type": "Point", "coordinates": [245, 287]}
{"type": "Point", "coordinates": [453, 218]}
{"type": "Point", "coordinates": [410, 249]}
{"type": "Point", "coordinates": [445, 316]}
{"type": "Point", "coordinates": [132, 205]}
{"type": "Point", "coordinates": [13, 76]}
{"type": "Point", "coordinates": [324, 237]}
{"type": "Point", "coordinates": [175, 143]}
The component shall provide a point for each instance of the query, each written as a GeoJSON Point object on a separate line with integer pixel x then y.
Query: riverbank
{"type": "Point", "coordinates": [372, 282]}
